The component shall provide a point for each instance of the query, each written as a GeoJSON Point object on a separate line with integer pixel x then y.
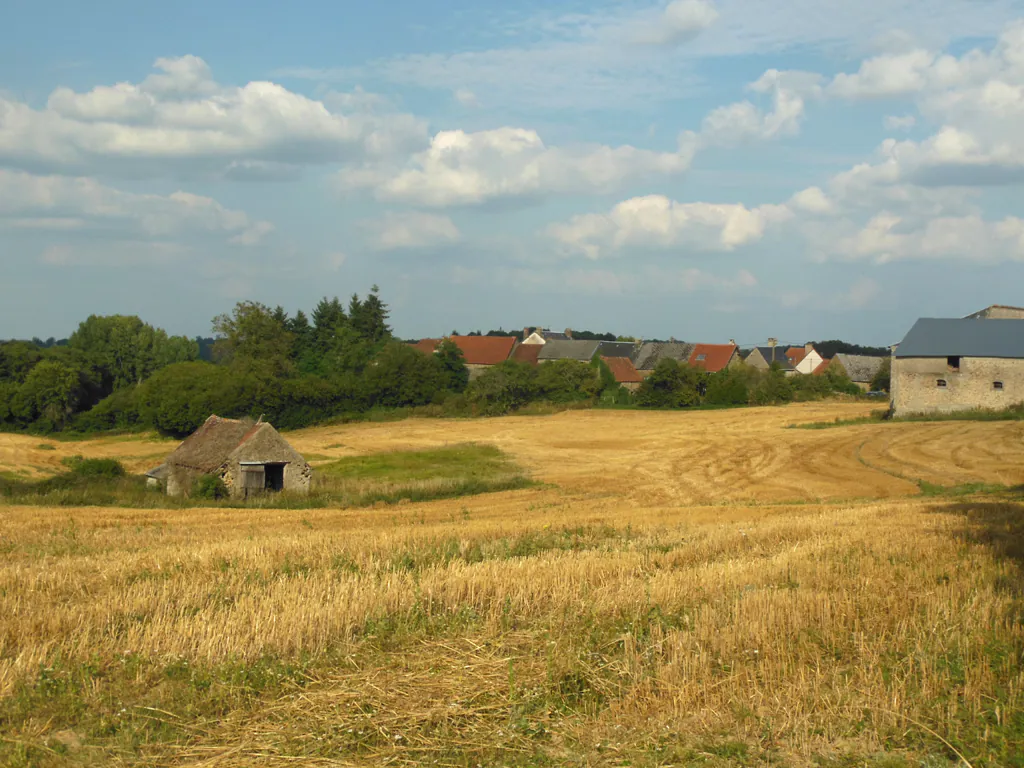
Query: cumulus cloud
{"type": "Point", "coordinates": [658, 222]}
{"type": "Point", "coordinates": [82, 204]}
{"type": "Point", "coordinates": [398, 231]}
{"type": "Point", "coordinates": [462, 168]}
{"type": "Point", "coordinates": [743, 121]}
{"type": "Point", "coordinates": [180, 121]}
{"type": "Point", "coordinates": [680, 21]}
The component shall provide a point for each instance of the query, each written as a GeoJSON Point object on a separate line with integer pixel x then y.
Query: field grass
{"type": "Point", "coordinates": [1013, 413]}
{"type": "Point", "coordinates": [643, 607]}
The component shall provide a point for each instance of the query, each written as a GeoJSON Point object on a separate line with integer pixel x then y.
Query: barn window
{"type": "Point", "coordinates": [953, 363]}
{"type": "Point", "coordinates": [941, 383]}
{"type": "Point", "coordinates": [997, 385]}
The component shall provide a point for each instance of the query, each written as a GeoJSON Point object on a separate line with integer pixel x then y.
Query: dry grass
{"type": "Point", "coordinates": [650, 611]}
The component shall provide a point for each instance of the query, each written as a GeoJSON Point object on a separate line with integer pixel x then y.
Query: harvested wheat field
{"type": "Point", "coordinates": [707, 588]}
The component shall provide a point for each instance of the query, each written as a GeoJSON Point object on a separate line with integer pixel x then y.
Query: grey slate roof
{"type": "Point", "coordinates": [932, 337]}
{"type": "Point", "coordinates": [552, 335]}
{"type": "Point", "coordinates": [569, 350]}
{"type": "Point", "coordinates": [780, 356]}
{"type": "Point", "coordinates": [653, 352]}
{"type": "Point", "coordinates": [860, 368]}
{"type": "Point", "coordinates": [618, 349]}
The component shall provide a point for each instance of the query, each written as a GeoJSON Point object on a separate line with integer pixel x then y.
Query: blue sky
{"type": "Point", "coordinates": [705, 169]}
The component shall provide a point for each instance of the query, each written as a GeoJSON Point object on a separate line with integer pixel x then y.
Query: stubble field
{"type": "Point", "coordinates": [707, 588]}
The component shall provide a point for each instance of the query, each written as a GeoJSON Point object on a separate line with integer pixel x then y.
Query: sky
{"type": "Point", "coordinates": [702, 169]}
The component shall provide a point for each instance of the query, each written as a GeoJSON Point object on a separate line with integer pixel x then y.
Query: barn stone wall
{"type": "Point", "coordinates": [915, 387]}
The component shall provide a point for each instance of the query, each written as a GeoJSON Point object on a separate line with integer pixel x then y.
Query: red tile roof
{"type": "Point", "coordinates": [527, 353]}
{"type": "Point", "coordinates": [485, 350]}
{"type": "Point", "coordinates": [795, 355]}
{"type": "Point", "coordinates": [426, 346]}
{"type": "Point", "coordinates": [715, 356]}
{"type": "Point", "coordinates": [822, 366]}
{"type": "Point", "coordinates": [623, 370]}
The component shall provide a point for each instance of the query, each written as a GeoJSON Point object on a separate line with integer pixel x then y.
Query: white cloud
{"type": "Point", "coordinates": [180, 120]}
{"type": "Point", "coordinates": [899, 122]}
{"type": "Point", "coordinates": [64, 203]}
{"type": "Point", "coordinates": [590, 60]}
{"type": "Point", "coordinates": [335, 261]}
{"type": "Point", "coordinates": [812, 200]}
{"type": "Point", "coordinates": [466, 97]}
{"type": "Point", "coordinates": [743, 121]}
{"type": "Point", "coordinates": [463, 168]}
{"type": "Point", "coordinates": [679, 22]}
{"type": "Point", "coordinates": [397, 231]}
{"type": "Point", "coordinates": [967, 238]}
{"type": "Point", "coordinates": [657, 222]}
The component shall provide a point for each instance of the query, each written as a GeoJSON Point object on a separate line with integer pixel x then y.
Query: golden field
{"type": "Point", "coordinates": [706, 588]}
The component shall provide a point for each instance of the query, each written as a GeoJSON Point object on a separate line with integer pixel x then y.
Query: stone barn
{"type": "Point", "coordinates": [250, 457]}
{"type": "Point", "coordinates": [957, 365]}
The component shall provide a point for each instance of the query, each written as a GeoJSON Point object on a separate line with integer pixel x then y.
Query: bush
{"type": "Point", "coordinates": [209, 487]}
{"type": "Point", "coordinates": [728, 387]}
{"type": "Point", "coordinates": [773, 388]}
{"type": "Point", "coordinates": [97, 468]}
{"type": "Point", "coordinates": [504, 388]}
{"type": "Point", "coordinates": [179, 398]}
{"type": "Point", "coordinates": [566, 381]}
{"type": "Point", "coordinates": [118, 411]}
{"type": "Point", "coordinates": [672, 385]}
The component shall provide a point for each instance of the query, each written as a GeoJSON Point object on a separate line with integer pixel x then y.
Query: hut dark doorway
{"type": "Point", "coordinates": [274, 474]}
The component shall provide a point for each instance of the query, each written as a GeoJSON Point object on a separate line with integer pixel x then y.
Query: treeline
{"type": "Point", "coordinates": [677, 385]}
{"type": "Point", "coordinates": [120, 373]}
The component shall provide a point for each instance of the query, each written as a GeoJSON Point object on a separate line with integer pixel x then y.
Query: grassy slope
{"type": "Point", "coordinates": [387, 478]}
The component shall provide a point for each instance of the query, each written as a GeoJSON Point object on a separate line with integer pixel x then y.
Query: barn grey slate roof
{"type": "Point", "coordinates": [569, 350]}
{"type": "Point", "coordinates": [653, 352]}
{"type": "Point", "coordinates": [935, 337]}
{"type": "Point", "coordinates": [860, 368]}
{"type": "Point", "coordinates": [780, 356]}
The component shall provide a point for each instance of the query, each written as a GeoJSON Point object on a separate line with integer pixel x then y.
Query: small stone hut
{"type": "Point", "coordinates": [250, 457]}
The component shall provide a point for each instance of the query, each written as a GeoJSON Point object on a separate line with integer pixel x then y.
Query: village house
{"type": "Point", "coordinates": [715, 357]}
{"type": "Point", "coordinates": [479, 352]}
{"type": "Point", "coordinates": [647, 357]}
{"type": "Point", "coordinates": [805, 359]}
{"type": "Point", "coordinates": [860, 369]}
{"type": "Point", "coordinates": [570, 349]}
{"type": "Point", "coordinates": [543, 336]}
{"type": "Point", "coordinates": [625, 373]}
{"type": "Point", "coordinates": [250, 457]}
{"type": "Point", "coordinates": [953, 365]}
{"type": "Point", "coordinates": [998, 312]}
{"type": "Point", "coordinates": [763, 358]}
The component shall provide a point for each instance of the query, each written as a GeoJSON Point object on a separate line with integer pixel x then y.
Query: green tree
{"type": "Point", "coordinates": [562, 381]}
{"type": "Point", "coordinates": [126, 351]}
{"type": "Point", "coordinates": [179, 398]}
{"type": "Point", "coordinates": [882, 380]}
{"type": "Point", "coordinates": [728, 387]}
{"type": "Point", "coordinates": [252, 334]}
{"type": "Point", "coordinates": [17, 359]}
{"type": "Point", "coordinates": [772, 387]}
{"type": "Point", "coordinates": [402, 376]}
{"type": "Point", "coordinates": [453, 366]}
{"type": "Point", "coordinates": [49, 394]}
{"type": "Point", "coordinates": [672, 385]}
{"type": "Point", "coordinates": [369, 318]}
{"type": "Point", "coordinates": [504, 387]}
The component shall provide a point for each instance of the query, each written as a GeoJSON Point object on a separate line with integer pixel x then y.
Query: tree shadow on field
{"type": "Point", "coordinates": [998, 525]}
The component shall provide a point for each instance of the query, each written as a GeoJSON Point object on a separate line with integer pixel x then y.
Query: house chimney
{"type": "Point", "coordinates": [808, 347]}
{"type": "Point", "coordinates": [733, 342]}
{"type": "Point", "coordinates": [526, 333]}
{"type": "Point", "coordinates": [672, 339]}
{"type": "Point", "coordinates": [771, 343]}
{"type": "Point", "coordinates": [568, 332]}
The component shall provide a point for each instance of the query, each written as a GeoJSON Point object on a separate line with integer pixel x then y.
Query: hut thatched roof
{"type": "Point", "coordinates": [208, 447]}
